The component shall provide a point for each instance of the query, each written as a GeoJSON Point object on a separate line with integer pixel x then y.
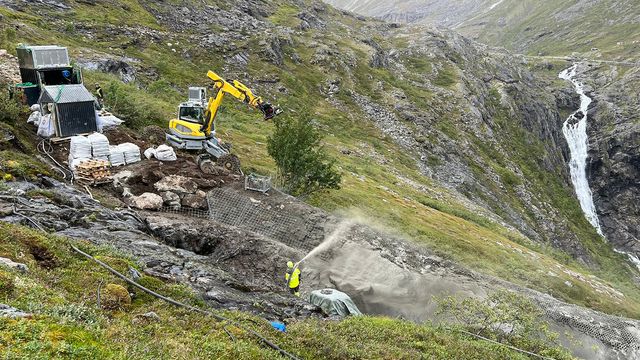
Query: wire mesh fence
{"type": "Point", "coordinates": [198, 213]}
{"type": "Point", "coordinates": [277, 222]}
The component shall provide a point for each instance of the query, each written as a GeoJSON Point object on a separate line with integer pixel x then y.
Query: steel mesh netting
{"type": "Point", "coordinates": [277, 222]}
{"type": "Point", "coordinates": [619, 334]}
{"type": "Point", "coordinates": [198, 213]}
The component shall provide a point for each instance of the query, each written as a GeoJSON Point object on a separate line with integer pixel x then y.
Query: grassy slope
{"type": "Point", "coordinates": [432, 218]}
{"type": "Point", "coordinates": [69, 325]}
{"type": "Point", "coordinates": [580, 32]}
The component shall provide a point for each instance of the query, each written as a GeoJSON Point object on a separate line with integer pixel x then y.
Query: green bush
{"type": "Point", "coordinates": [138, 112]}
{"type": "Point", "coordinates": [6, 284]}
{"type": "Point", "coordinates": [302, 162]}
{"type": "Point", "coordinates": [9, 108]}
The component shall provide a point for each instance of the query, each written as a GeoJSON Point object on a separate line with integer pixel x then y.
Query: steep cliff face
{"type": "Point", "coordinates": [436, 12]}
{"type": "Point", "coordinates": [614, 170]}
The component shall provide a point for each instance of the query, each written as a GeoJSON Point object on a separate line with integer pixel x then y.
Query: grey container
{"type": "Point", "coordinates": [43, 57]}
{"type": "Point", "coordinates": [74, 109]}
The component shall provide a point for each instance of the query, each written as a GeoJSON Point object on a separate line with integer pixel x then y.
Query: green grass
{"type": "Point", "coordinates": [285, 15]}
{"type": "Point", "coordinates": [380, 179]}
{"type": "Point", "coordinates": [68, 323]}
{"type": "Point", "coordinates": [518, 25]}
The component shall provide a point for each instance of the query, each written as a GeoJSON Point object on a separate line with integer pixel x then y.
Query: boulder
{"type": "Point", "coordinates": [8, 263]}
{"type": "Point", "coordinates": [146, 201]}
{"type": "Point", "coordinates": [196, 201]}
{"type": "Point", "coordinates": [171, 199]}
{"type": "Point", "coordinates": [7, 311]}
{"type": "Point", "coordinates": [177, 184]}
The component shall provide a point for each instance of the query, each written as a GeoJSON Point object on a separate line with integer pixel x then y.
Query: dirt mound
{"type": "Point", "coordinates": [146, 173]}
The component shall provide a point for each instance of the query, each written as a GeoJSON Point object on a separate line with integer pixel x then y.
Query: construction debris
{"type": "Point", "coordinates": [146, 201]}
{"type": "Point", "coordinates": [257, 182]}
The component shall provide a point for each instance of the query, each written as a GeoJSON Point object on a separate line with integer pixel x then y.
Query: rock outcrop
{"type": "Point", "coordinates": [614, 156]}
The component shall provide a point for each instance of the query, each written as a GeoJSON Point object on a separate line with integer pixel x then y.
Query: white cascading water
{"type": "Point", "coordinates": [575, 131]}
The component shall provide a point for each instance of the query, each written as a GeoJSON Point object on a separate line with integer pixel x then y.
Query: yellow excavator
{"type": "Point", "coordinates": [194, 129]}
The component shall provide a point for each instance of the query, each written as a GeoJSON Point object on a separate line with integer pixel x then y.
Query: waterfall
{"type": "Point", "coordinates": [575, 131]}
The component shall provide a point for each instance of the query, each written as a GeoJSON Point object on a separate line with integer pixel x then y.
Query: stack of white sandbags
{"type": "Point", "coordinates": [162, 153]}
{"type": "Point", "coordinates": [131, 152]}
{"type": "Point", "coordinates": [106, 121]}
{"type": "Point", "coordinates": [116, 156]}
{"type": "Point", "coordinates": [79, 151]}
{"type": "Point", "coordinates": [34, 118]}
{"type": "Point", "coordinates": [99, 146]}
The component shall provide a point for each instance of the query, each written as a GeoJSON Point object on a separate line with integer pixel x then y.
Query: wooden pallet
{"type": "Point", "coordinates": [93, 164]}
{"type": "Point", "coordinates": [93, 182]}
{"type": "Point", "coordinates": [99, 174]}
{"type": "Point", "coordinates": [94, 171]}
{"type": "Point", "coordinates": [58, 140]}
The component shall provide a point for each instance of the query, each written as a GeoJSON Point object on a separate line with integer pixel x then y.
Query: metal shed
{"type": "Point", "coordinates": [42, 57]}
{"type": "Point", "coordinates": [72, 109]}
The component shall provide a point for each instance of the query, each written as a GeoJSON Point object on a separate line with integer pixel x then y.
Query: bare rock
{"type": "Point", "coordinates": [171, 199]}
{"type": "Point", "coordinates": [146, 201]}
{"type": "Point", "coordinates": [195, 201]}
{"type": "Point", "coordinates": [13, 265]}
{"type": "Point", "coordinates": [7, 311]}
{"type": "Point", "coordinates": [177, 184]}
{"type": "Point", "coordinates": [151, 315]}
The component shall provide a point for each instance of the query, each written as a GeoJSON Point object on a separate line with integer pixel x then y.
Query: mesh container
{"type": "Point", "coordinates": [257, 183]}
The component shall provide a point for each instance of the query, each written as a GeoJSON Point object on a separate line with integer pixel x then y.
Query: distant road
{"type": "Point", "coordinates": [574, 59]}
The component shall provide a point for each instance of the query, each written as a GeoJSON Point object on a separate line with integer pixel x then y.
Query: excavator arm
{"type": "Point", "coordinates": [240, 92]}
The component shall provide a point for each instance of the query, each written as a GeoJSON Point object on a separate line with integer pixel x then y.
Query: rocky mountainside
{"type": "Point", "coordinates": [615, 152]}
{"type": "Point", "coordinates": [462, 131]}
{"type": "Point", "coordinates": [436, 12]}
{"type": "Point", "coordinates": [533, 27]}
{"type": "Point", "coordinates": [457, 145]}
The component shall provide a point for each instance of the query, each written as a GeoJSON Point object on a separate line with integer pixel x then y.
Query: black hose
{"type": "Point", "coordinates": [189, 307]}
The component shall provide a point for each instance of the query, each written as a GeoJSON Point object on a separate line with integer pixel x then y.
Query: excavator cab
{"type": "Point", "coordinates": [191, 112]}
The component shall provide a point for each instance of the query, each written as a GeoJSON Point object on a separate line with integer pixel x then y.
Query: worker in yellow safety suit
{"type": "Point", "coordinates": [293, 279]}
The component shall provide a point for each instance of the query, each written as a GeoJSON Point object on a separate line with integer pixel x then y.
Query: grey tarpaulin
{"type": "Point", "coordinates": [334, 302]}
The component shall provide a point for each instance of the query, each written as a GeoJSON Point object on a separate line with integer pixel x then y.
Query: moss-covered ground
{"type": "Point", "coordinates": [61, 290]}
{"type": "Point", "coordinates": [380, 179]}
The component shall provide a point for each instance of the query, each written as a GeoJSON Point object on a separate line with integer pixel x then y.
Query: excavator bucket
{"type": "Point", "coordinates": [269, 111]}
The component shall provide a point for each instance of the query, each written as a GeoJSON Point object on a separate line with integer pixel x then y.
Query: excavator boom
{"type": "Point", "coordinates": [240, 92]}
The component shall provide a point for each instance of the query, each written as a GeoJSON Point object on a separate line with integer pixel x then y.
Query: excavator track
{"type": "Point", "coordinates": [230, 162]}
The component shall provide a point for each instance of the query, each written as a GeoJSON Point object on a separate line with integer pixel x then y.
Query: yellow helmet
{"type": "Point", "coordinates": [290, 264]}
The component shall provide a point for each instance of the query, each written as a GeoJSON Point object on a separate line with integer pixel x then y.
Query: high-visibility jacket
{"type": "Point", "coordinates": [294, 282]}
